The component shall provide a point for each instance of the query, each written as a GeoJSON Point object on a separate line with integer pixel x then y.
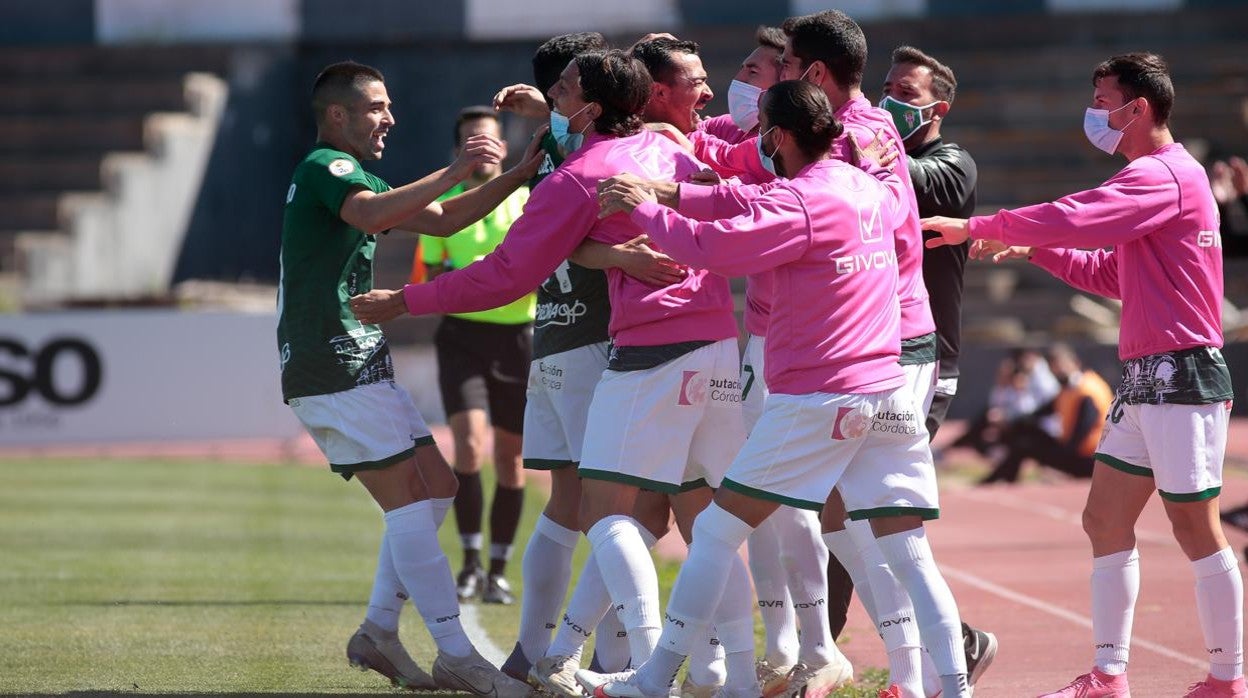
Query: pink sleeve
{"type": "Point", "coordinates": [1133, 203]}
{"type": "Point", "coordinates": [774, 230]}
{"type": "Point", "coordinates": [708, 203]}
{"type": "Point", "coordinates": [729, 160]}
{"type": "Point", "coordinates": [557, 217]}
{"type": "Point", "coordinates": [1094, 271]}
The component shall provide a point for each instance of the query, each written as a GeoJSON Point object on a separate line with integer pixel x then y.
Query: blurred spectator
{"type": "Point", "coordinates": [1024, 384]}
{"type": "Point", "coordinates": [1080, 410]}
{"type": "Point", "coordinates": [1229, 181]}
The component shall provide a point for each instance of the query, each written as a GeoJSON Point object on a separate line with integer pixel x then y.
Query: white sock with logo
{"type": "Point", "coordinates": [910, 558]}
{"type": "Point", "coordinates": [1220, 602]}
{"type": "Point", "coordinates": [886, 601]}
{"type": "Point", "coordinates": [629, 575]}
{"type": "Point", "coordinates": [388, 596]}
{"type": "Point", "coordinates": [734, 624]}
{"type": "Point", "coordinates": [805, 559]}
{"type": "Point", "coordinates": [699, 589]}
{"type": "Point", "coordinates": [547, 571]}
{"type": "Point", "coordinates": [425, 572]}
{"type": "Point", "coordinates": [1115, 586]}
{"type": "Point", "coordinates": [774, 603]}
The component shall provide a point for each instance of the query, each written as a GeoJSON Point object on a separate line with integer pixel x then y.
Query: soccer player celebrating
{"type": "Point", "coordinates": [674, 364]}
{"type": "Point", "coordinates": [337, 375]}
{"type": "Point", "coordinates": [839, 412]}
{"type": "Point", "coordinates": [1167, 427]}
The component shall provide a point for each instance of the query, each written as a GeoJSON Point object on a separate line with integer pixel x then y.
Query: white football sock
{"type": "Point", "coordinates": [886, 601]}
{"type": "Point", "coordinates": [910, 558]}
{"type": "Point", "coordinates": [805, 560]}
{"type": "Point", "coordinates": [425, 572]}
{"type": "Point", "coordinates": [547, 571]}
{"type": "Point", "coordinates": [611, 642]}
{"type": "Point", "coordinates": [1115, 586]}
{"type": "Point", "coordinates": [629, 575]}
{"type": "Point", "coordinates": [1220, 602]}
{"type": "Point", "coordinates": [717, 536]}
{"type": "Point", "coordinates": [386, 602]}
{"type": "Point", "coordinates": [846, 547]}
{"type": "Point", "coordinates": [774, 603]}
{"type": "Point", "coordinates": [734, 624]}
{"type": "Point", "coordinates": [440, 507]}
{"type": "Point", "coordinates": [589, 603]}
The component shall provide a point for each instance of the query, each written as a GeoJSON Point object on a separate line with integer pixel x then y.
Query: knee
{"type": "Point", "coordinates": [1101, 527]}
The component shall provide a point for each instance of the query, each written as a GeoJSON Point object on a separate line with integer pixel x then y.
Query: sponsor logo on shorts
{"type": "Point", "coordinates": [890, 422]}
{"type": "Point", "coordinates": [851, 423]}
{"type": "Point", "coordinates": [551, 375]}
{"type": "Point", "coordinates": [692, 389]}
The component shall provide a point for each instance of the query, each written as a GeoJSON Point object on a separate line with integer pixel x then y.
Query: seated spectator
{"type": "Point", "coordinates": [1024, 384]}
{"type": "Point", "coordinates": [1079, 409]}
{"type": "Point", "coordinates": [1229, 181]}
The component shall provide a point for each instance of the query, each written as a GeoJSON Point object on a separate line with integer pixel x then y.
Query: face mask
{"type": "Point", "coordinates": [1096, 127]}
{"type": "Point", "coordinates": [743, 104]}
{"type": "Point", "coordinates": [559, 125]}
{"type": "Point", "coordinates": [769, 161]}
{"type": "Point", "coordinates": [906, 117]}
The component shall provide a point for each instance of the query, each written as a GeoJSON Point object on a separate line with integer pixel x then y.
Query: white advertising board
{"type": "Point", "coordinates": [140, 375]}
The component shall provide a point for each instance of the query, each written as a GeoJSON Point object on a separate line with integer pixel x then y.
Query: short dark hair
{"type": "Point", "coordinates": [803, 110]}
{"type": "Point", "coordinates": [658, 56]}
{"type": "Point", "coordinates": [338, 82]}
{"type": "Point", "coordinates": [620, 84]}
{"type": "Point", "coordinates": [944, 84]}
{"type": "Point", "coordinates": [832, 37]}
{"type": "Point", "coordinates": [770, 37]}
{"type": "Point", "coordinates": [1142, 75]}
{"type": "Point", "coordinates": [553, 56]}
{"type": "Point", "coordinates": [472, 114]}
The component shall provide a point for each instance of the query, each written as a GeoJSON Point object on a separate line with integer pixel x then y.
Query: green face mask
{"type": "Point", "coordinates": [907, 117]}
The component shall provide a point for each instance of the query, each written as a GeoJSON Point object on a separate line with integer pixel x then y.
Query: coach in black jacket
{"type": "Point", "coordinates": [918, 91]}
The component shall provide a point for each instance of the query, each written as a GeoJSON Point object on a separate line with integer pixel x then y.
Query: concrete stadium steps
{"type": "Point", "coordinates": [37, 172]}
{"type": "Point", "coordinates": [70, 133]}
{"type": "Point", "coordinates": [26, 63]}
{"type": "Point", "coordinates": [126, 96]}
{"type": "Point", "coordinates": [29, 210]}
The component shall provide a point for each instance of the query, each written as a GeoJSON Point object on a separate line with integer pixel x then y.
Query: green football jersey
{"type": "Point", "coordinates": [324, 261]}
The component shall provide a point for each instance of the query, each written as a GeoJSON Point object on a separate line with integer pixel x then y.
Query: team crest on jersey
{"type": "Point", "coordinates": [850, 423]}
{"type": "Point", "coordinates": [341, 167]}
{"type": "Point", "coordinates": [692, 389]}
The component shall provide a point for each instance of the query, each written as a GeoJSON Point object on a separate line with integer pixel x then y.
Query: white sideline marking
{"type": "Point", "coordinates": [1058, 514]}
{"type": "Point", "coordinates": [1136, 642]}
{"type": "Point", "coordinates": [480, 639]}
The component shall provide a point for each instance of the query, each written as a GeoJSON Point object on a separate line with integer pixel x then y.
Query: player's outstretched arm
{"type": "Point", "coordinates": [635, 258]}
{"type": "Point", "coordinates": [445, 218]}
{"type": "Point", "coordinates": [378, 305]}
{"type": "Point", "coordinates": [375, 213]}
{"type": "Point", "coordinates": [522, 99]}
{"type": "Point", "coordinates": [953, 231]}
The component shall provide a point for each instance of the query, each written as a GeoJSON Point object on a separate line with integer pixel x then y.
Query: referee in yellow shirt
{"type": "Point", "coordinates": [483, 364]}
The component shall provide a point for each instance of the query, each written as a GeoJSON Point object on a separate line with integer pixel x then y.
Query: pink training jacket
{"type": "Point", "coordinates": [757, 286]}
{"type": "Point", "coordinates": [827, 237]}
{"type": "Point", "coordinates": [863, 121]}
{"type": "Point", "coordinates": [1160, 218]}
{"type": "Point", "coordinates": [561, 212]}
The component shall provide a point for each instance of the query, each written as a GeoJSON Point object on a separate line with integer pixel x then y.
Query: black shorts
{"type": "Point", "coordinates": [484, 366]}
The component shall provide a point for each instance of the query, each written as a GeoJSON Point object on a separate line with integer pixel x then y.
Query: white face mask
{"type": "Point", "coordinates": [1096, 127]}
{"type": "Point", "coordinates": [743, 104]}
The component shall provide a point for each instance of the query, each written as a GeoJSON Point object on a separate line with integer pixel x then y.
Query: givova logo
{"type": "Point", "coordinates": [692, 389]}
